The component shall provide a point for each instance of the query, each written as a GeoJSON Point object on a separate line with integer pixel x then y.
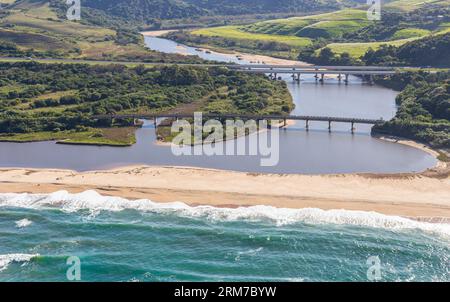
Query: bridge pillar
{"type": "Point", "coordinates": [346, 79]}
{"type": "Point", "coordinates": [329, 126]}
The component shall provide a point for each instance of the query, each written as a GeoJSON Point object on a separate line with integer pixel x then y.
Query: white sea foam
{"type": "Point", "coordinates": [94, 202]}
{"type": "Point", "coordinates": [5, 260]}
{"type": "Point", "coordinates": [23, 223]}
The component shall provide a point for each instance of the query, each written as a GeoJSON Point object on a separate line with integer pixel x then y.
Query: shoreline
{"type": "Point", "coordinates": [421, 196]}
{"type": "Point", "coordinates": [249, 57]}
{"type": "Point", "coordinates": [440, 165]}
{"type": "Point", "coordinates": [418, 196]}
{"type": "Point", "coordinates": [280, 126]}
{"type": "Point", "coordinates": [263, 59]}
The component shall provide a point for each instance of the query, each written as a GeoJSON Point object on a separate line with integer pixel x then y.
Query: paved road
{"type": "Point", "coordinates": [301, 68]}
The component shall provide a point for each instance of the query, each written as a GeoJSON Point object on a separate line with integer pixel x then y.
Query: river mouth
{"type": "Point", "coordinates": [316, 151]}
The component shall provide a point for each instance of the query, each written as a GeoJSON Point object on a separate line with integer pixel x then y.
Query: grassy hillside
{"type": "Point", "coordinates": [237, 32]}
{"type": "Point", "coordinates": [288, 36]}
{"type": "Point", "coordinates": [429, 51]}
{"type": "Point", "coordinates": [37, 29]}
{"type": "Point", "coordinates": [346, 31]}
{"type": "Point", "coordinates": [411, 5]}
{"type": "Point", "coordinates": [328, 25]}
{"type": "Point", "coordinates": [357, 50]}
{"type": "Point", "coordinates": [146, 11]}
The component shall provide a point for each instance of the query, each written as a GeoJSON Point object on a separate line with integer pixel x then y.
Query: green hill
{"type": "Point", "coordinates": [329, 25]}
{"type": "Point", "coordinates": [37, 28]}
{"type": "Point", "coordinates": [146, 10]}
{"type": "Point", "coordinates": [411, 5]}
{"type": "Point", "coordinates": [343, 31]}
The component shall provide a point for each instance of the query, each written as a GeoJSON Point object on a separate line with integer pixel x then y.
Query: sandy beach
{"type": "Point", "coordinates": [420, 196]}
{"type": "Point", "coordinates": [157, 33]}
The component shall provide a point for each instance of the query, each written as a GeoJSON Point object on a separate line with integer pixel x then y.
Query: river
{"type": "Point", "coordinates": [115, 239]}
{"type": "Point", "coordinates": [310, 152]}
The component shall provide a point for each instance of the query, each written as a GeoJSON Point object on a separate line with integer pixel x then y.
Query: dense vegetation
{"type": "Point", "coordinates": [40, 29]}
{"type": "Point", "coordinates": [429, 51]}
{"type": "Point", "coordinates": [146, 11]}
{"type": "Point", "coordinates": [54, 98]}
{"type": "Point", "coordinates": [253, 44]}
{"type": "Point", "coordinates": [343, 31]}
{"type": "Point", "coordinates": [400, 25]}
{"type": "Point", "coordinates": [424, 109]}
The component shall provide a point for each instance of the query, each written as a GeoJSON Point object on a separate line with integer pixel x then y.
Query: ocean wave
{"type": "Point", "coordinates": [94, 202]}
{"type": "Point", "coordinates": [23, 223]}
{"type": "Point", "coordinates": [5, 260]}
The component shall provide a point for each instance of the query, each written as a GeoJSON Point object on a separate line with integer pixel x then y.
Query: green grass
{"type": "Point", "coordinates": [410, 5]}
{"type": "Point", "coordinates": [274, 27]}
{"type": "Point", "coordinates": [443, 157]}
{"type": "Point", "coordinates": [357, 50]}
{"type": "Point", "coordinates": [31, 40]}
{"type": "Point", "coordinates": [331, 29]}
{"type": "Point", "coordinates": [105, 136]}
{"type": "Point", "coordinates": [408, 33]}
{"type": "Point", "coordinates": [333, 24]}
{"type": "Point", "coordinates": [34, 25]}
{"type": "Point", "coordinates": [44, 25]}
{"type": "Point", "coordinates": [235, 32]}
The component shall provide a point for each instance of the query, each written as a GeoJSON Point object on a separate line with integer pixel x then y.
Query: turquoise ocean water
{"type": "Point", "coordinates": [121, 240]}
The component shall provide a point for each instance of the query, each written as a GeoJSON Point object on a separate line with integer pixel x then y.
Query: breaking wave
{"type": "Point", "coordinates": [23, 223]}
{"type": "Point", "coordinates": [94, 202]}
{"type": "Point", "coordinates": [5, 260]}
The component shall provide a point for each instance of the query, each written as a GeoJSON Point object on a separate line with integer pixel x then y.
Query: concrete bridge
{"type": "Point", "coordinates": [343, 72]}
{"type": "Point", "coordinates": [283, 118]}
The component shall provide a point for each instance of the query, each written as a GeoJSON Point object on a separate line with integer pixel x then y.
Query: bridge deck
{"type": "Point", "coordinates": [247, 117]}
{"type": "Point", "coordinates": [307, 67]}
{"type": "Point", "coordinates": [309, 71]}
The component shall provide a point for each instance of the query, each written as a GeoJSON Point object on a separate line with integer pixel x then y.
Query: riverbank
{"type": "Point", "coordinates": [420, 196]}
{"type": "Point", "coordinates": [253, 58]}
{"type": "Point", "coordinates": [441, 165]}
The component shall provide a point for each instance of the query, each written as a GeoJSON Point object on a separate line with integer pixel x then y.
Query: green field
{"type": "Point", "coordinates": [327, 25]}
{"type": "Point", "coordinates": [410, 5]}
{"type": "Point", "coordinates": [356, 50]}
{"type": "Point", "coordinates": [36, 31]}
{"type": "Point", "coordinates": [46, 21]}
{"type": "Point", "coordinates": [32, 40]}
{"type": "Point", "coordinates": [120, 137]}
{"type": "Point", "coordinates": [235, 32]}
{"type": "Point", "coordinates": [410, 33]}
{"type": "Point", "coordinates": [332, 28]}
